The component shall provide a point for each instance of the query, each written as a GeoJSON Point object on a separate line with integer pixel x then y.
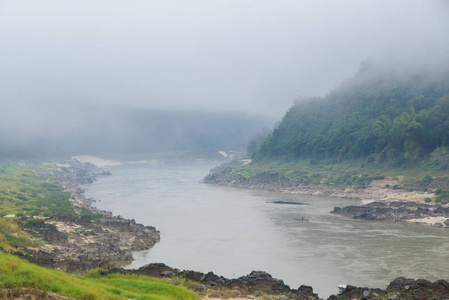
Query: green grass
{"type": "Point", "coordinates": [442, 196]}
{"type": "Point", "coordinates": [16, 273]}
{"type": "Point", "coordinates": [355, 173]}
{"type": "Point", "coordinates": [32, 192]}
{"type": "Point", "coordinates": [94, 216]}
{"type": "Point", "coordinates": [13, 238]}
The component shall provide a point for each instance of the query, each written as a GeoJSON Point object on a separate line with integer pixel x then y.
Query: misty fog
{"type": "Point", "coordinates": [74, 71]}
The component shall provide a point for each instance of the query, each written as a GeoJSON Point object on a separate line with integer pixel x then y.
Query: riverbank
{"type": "Point", "coordinates": [384, 196]}
{"type": "Point", "coordinates": [257, 285]}
{"type": "Point", "coordinates": [223, 292]}
{"type": "Point", "coordinates": [91, 238]}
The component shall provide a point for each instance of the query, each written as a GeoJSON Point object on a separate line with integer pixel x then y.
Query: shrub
{"type": "Point", "coordinates": [442, 197]}
{"type": "Point", "coordinates": [427, 179]}
{"type": "Point", "coordinates": [438, 191]}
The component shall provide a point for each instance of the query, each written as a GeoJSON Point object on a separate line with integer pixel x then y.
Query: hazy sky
{"type": "Point", "coordinates": [256, 56]}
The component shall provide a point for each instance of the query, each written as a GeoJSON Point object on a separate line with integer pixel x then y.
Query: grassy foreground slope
{"type": "Point", "coordinates": [16, 273]}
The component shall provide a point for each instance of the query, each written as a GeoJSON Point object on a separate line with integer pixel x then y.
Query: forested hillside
{"type": "Point", "coordinates": [393, 115]}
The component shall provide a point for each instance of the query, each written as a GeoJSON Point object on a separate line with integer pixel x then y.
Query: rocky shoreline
{"type": "Point", "coordinates": [92, 239]}
{"type": "Point", "coordinates": [78, 244]}
{"type": "Point", "coordinates": [261, 284]}
{"type": "Point", "coordinates": [212, 285]}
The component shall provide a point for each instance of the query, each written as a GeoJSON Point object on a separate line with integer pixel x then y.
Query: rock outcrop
{"type": "Point", "coordinates": [257, 282]}
{"type": "Point", "coordinates": [394, 211]}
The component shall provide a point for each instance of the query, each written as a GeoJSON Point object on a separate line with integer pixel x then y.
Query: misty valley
{"type": "Point", "coordinates": [349, 190]}
{"type": "Point", "coordinates": [265, 150]}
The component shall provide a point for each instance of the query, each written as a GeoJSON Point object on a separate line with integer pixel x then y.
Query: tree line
{"type": "Point", "coordinates": [383, 115]}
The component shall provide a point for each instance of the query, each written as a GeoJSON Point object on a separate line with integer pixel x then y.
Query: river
{"type": "Point", "coordinates": [234, 231]}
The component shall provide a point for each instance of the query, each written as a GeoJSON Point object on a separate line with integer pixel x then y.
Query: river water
{"type": "Point", "coordinates": [233, 231]}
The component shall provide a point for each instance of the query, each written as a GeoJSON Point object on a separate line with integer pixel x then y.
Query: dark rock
{"type": "Point", "coordinates": [286, 202]}
{"type": "Point", "coordinates": [154, 270]}
{"type": "Point", "coordinates": [85, 220]}
{"type": "Point", "coordinates": [394, 211]}
{"type": "Point", "coordinates": [441, 210]}
{"type": "Point", "coordinates": [47, 232]}
{"type": "Point", "coordinates": [167, 273]}
{"type": "Point", "coordinates": [406, 288]}
{"type": "Point", "coordinates": [425, 284]}
{"type": "Point", "coordinates": [192, 275]}
{"type": "Point", "coordinates": [399, 284]}
{"type": "Point", "coordinates": [240, 286]}
{"type": "Point", "coordinates": [262, 281]}
{"type": "Point", "coordinates": [305, 292]}
{"type": "Point", "coordinates": [210, 277]}
{"type": "Point", "coordinates": [337, 210]}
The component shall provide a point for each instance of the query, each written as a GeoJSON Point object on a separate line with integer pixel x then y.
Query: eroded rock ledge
{"type": "Point", "coordinates": [81, 243]}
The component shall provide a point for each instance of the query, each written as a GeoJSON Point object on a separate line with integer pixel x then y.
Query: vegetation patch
{"type": "Point", "coordinates": [87, 212]}
{"type": "Point", "coordinates": [32, 192]}
{"type": "Point", "coordinates": [442, 196]}
{"type": "Point", "coordinates": [16, 273]}
{"type": "Point", "coordinates": [352, 173]}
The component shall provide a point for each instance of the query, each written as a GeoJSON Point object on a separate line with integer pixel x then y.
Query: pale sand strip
{"type": "Point", "coordinates": [97, 161]}
{"type": "Point", "coordinates": [104, 163]}
{"type": "Point", "coordinates": [429, 220]}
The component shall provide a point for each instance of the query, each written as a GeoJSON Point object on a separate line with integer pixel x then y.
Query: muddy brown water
{"type": "Point", "coordinates": [234, 231]}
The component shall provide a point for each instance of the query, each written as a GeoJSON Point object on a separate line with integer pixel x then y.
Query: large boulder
{"type": "Point", "coordinates": [264, 282]}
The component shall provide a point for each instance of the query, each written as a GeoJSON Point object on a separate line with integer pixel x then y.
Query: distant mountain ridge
{"type": "Point", "coordinates": [58, 130]}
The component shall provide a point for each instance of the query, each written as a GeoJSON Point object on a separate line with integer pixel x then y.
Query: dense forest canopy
{"type": "Point", "coordinates": [383, 114]}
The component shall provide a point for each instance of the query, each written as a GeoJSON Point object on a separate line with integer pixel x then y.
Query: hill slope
{"type": "Point", "coordinates": [386, 115]}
